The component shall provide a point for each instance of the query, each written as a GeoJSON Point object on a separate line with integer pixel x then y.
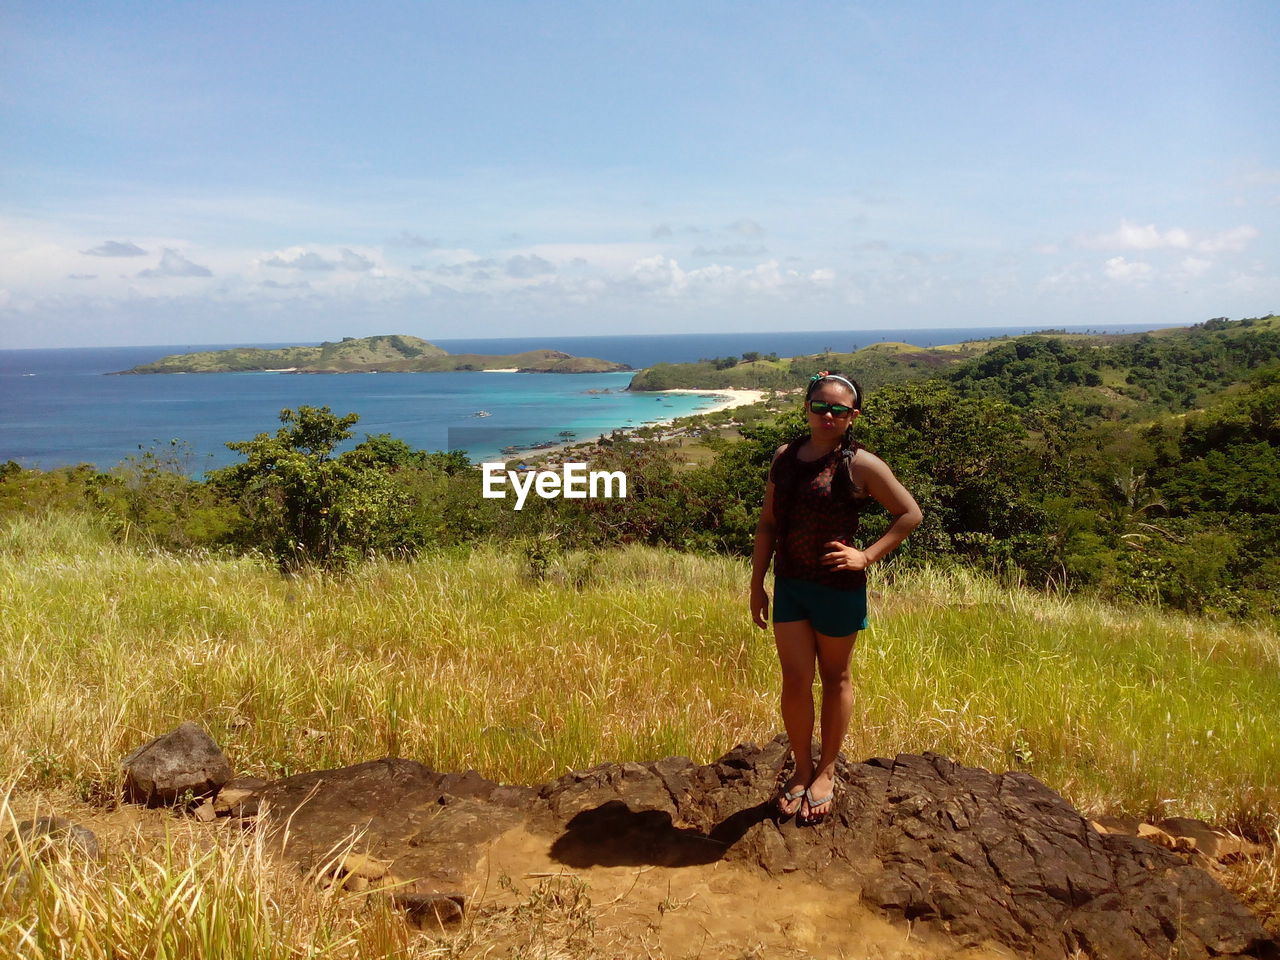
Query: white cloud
{"type": "Point", "coordinates": [1132, 236]}
{"type": "Point", "coordinates": [658, 272]}
{"type": "Point", "coordinates": [747, 228]}
{"type": "Point", "coordinates": [350, 260]}
{"type": "Point", "coordinates": [415, 240]}
{"type": "Point", "coordinates": [608, 257]}
{"type": "Point", "coordinates": [524, 267]}
{"type": "Point", "coordinates": [1118, 268]}
{"type": "Point", "coordinates": [664, 276]}
{"type": "Point", "coordinates": [115, 248]}
{"type": "Point", "coordinates": [297, 258]}
{"type": "Point", "coordinates": [1257, 177]}
{"type": "Point", "coordinates": [466, 267]}
{"type": "Point", "coordinates": [730, 250]}
{"type": "Point", "coordinates": [301, 260]}
{"type": "Point", "coordinates": [1233, 240]}
{"type": "Point", "coordinates": [1195, 266]}
{"type": "Point", "coordinates": [174, 264]}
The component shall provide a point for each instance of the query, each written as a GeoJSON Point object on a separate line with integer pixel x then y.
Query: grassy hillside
{"type": "Point", "coordinates": [1124, 377]}
{"type": "Point", "coordinates": [1116, 376]}
{"type": "Point", "coordinates": [396, 353]}
{"type": "Point", "coordinates": [464, 661]}
{"type": "Point", "coordinates": [349, 353]}
{"type": "Point", "coordinates": [874, 366]}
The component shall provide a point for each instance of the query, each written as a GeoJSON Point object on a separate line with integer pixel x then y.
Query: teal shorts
{"type": "Point", "coordinates": [831, 612]}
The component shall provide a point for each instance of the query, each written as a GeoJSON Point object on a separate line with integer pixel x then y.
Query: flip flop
{"type": "Point", "coordinates": [790, 796]}
{"type": "Point", "coordinates": [817, 802]}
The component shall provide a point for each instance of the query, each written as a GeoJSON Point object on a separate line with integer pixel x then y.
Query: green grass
{"type": "Point", "coordinates": [461, 661]}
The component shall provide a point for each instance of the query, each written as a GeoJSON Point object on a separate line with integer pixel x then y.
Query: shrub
{"type": "Point", "coordinates": [306, 506]}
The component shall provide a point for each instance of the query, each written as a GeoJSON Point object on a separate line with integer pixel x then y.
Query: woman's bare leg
{"type": "Point", "coordinates": [834, 654]}
{"type": "Point", "coordinates": [797, 653]}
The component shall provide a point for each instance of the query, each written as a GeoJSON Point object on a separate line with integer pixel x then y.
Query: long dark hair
{"type": "Point", "coordinates": [848, 446]}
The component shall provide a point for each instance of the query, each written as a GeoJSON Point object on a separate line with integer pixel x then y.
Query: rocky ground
{"type": "Point", "coordinates": [920, 857]}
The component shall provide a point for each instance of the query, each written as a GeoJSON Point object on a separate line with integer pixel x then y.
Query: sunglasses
{"type": "Point", "coordinates": [835, 409]}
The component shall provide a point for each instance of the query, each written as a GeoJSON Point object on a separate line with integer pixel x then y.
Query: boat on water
{"type": "Point", "coordinates": [482, 413]}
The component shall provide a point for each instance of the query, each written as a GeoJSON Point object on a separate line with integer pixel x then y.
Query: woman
{"type": "Point", "coordinates": [818, 487]}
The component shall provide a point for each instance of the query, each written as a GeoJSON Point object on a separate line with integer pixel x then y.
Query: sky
{"type": "Point", "coordinates": [181, 172]}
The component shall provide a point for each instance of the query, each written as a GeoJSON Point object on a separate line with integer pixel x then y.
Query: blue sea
{"type": "Point", "coordinates": [59, 408]}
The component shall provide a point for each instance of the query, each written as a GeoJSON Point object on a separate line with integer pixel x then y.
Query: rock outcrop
{"type": "Point", "coordinates": [32, 844]}
{"type": "Point", "coordinates": [183, 765]}
{"type": "Point", "coordinates": [974, 856]}
{"type": "Point", "coordinates": [47, 838]}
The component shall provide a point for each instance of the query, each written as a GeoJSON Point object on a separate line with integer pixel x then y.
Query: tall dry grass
{"type": "Point", "coordinates": [190, 895]}
{"type": "Point", "coordinates": [463, 661]}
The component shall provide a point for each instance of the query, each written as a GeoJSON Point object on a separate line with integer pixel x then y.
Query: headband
{"type": "Point", "coordinates": [823, 375]}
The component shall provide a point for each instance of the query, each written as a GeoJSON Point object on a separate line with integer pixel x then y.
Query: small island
{"type": "Point", "coordinates": [396, 353]}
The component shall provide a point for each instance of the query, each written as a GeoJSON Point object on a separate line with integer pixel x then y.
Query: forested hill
{"type": "Point", "coordinates": [1143, 467]}
{"type": "Point", "coordinates": [1109, 375]}
{"type": "Point", "coordinates": [877, 364]}
{"type": "Point", "coordinates": [395, 353]}
{"type": "Point", "coordinates": [1178, 369]}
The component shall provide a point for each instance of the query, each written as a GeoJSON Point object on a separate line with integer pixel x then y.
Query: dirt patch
{"type": "Point", "coordinates": [713, 910]}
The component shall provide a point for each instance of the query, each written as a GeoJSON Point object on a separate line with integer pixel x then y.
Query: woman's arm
{"type": "Point", "coordinates": [874, 476]}
{"type": "Point", "coordinates": [762, 554]}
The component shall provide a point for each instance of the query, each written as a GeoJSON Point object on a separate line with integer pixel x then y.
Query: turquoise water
{"type": "Point", "coordinates": [57, 407]}
{"type": "Point", "coordinates": [74, 418]}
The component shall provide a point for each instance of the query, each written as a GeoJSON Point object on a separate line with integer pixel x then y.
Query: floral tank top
{"type": "Point", "coordinates": [811, 508]}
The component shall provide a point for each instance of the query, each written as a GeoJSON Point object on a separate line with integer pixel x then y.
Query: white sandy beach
{"type": "Point", "coordinates": [502, 370]}
{"type": "Point", "coordinates": [726, 399]}
{"type": "Point", "coordinates": [730, 397]}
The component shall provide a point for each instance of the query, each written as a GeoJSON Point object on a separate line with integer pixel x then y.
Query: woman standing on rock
{"type": "Point", "coordinates": [818, 487]}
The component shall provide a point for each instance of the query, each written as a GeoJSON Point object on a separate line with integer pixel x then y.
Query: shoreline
{"type": "Point", "coordinates": [728, 398]}
{"type": "Point", "coordinates": [733, 397]}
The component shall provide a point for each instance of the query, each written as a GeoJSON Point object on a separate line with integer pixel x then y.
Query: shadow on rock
{"type": "Point", "coordinates": [614, 835]}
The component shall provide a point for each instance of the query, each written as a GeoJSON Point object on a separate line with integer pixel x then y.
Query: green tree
{"type": "Point", "coordinates": [1133, 505]}
{"type": "Point", "coordinates": [968, 461]}
{"type": "Point", "coordinates": [305, 505]}
{"type": "Point", "coordinates": [153, 493]}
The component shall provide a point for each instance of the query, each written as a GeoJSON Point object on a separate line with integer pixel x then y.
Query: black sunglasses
{"type": "Point", "coordinates": [835, 409]}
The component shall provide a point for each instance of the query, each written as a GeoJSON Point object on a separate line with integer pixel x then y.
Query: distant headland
{"type": "Point", "coordinates": [395, 353]}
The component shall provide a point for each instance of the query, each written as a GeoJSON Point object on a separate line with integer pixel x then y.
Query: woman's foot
{"type": "Point", "coordinates": [818, 797]}
{"type": "Point", "coordinates": [788, 802]}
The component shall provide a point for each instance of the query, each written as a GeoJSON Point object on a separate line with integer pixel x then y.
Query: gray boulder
{"type": "Point", "coordinates": [33, 843]}
{"type": "Point", "coordinates": [183, 765]}
{"type": "Point", "coordinates": [47, 838]}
